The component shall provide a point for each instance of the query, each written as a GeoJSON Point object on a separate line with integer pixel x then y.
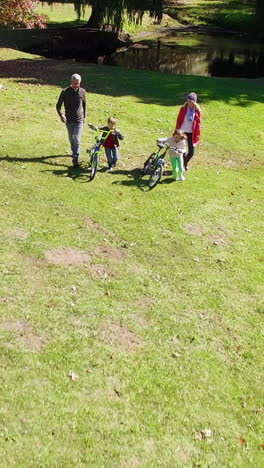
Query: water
{"type": "Point", "coordinates": [194, 54]}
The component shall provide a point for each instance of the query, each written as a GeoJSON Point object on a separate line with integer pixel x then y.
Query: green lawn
{"type": "Point", "coordinates": [155, 299]}
{"type": "Point", "coordinates": [62, 14]}
{"type": "Point", "coordinates": [230, 14]}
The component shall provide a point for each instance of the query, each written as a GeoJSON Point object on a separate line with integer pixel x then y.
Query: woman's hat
{"type": "Point", "coordinates": [192, 97]}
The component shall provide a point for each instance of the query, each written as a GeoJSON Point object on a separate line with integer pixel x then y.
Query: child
{"type": "Point", "coordinates": [111, 144]}
{"type": "Point", "coordinates": [177, 141]}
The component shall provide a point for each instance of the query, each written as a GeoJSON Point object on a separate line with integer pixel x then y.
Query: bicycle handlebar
{"type": "Point", "coordinates": [163, 145]}
{"type": "Point", "coordinates": [176, 150]}
{"type": "Point", "coordinates": [101, 134]}
{"type": "Point", "coordinates": [97, 129]}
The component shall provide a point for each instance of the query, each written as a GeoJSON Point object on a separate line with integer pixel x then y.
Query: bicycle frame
{"type": "Point", "coordinates": [160, 156]}
{"type": "Point", "coordinates": [100, 138]}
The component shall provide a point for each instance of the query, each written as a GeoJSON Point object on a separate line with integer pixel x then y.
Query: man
{"type": "Point", "coordinates": [74, 101]}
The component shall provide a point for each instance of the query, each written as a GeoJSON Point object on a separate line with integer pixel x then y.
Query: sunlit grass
{"type": "Point", "coordinates": [164, 325]}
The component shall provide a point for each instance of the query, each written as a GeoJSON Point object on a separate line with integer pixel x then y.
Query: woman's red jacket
{"type": "Point", "coordinates": [196, 129]}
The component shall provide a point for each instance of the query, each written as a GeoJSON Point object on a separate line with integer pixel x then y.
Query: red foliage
{"type": "Point", "coordinates": [20, 13]}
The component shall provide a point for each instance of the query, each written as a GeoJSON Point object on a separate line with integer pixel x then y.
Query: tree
{"type": "Point", "coordinates": [20, 13]}
{"type": "Point", "coordinates": [113, 11]}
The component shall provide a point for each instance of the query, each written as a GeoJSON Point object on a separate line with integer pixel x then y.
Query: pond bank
{"type": "Point", "coordinates": [74, 42]}
{"type": "Point", "coordinates": [192, 29]}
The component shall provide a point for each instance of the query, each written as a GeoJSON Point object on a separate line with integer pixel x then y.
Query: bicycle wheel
{"type": "Point", "coordinates": [155, 177]}
{"type": "Point", "coordinates": [148, 164]}
{"type": "Point", "coordinates": [94, 165]}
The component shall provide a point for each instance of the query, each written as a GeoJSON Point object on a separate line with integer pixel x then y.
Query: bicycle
{"type": "Point", "coordinates": [155, 164]}
{"type": "Point", "coordinates": [100, 138]}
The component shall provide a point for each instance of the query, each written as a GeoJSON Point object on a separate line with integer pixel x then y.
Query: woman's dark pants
{"type": "Point", "coordinates": [189, 155]}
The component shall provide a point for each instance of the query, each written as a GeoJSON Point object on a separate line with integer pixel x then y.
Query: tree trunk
{"type": "Point", "coordinates": [96, 19]}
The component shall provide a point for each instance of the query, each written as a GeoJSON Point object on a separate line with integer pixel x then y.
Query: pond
{"type": "Point", "coordinates": [193, 54]}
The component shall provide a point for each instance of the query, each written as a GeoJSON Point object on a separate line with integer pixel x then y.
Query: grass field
{"type": "Point", "coordinates": [131, 321]}
{"type": "Point", "coordinates": [230, 14]}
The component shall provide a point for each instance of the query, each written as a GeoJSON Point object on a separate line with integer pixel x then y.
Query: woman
{"type": "Point", "coordinates": [189, 121]}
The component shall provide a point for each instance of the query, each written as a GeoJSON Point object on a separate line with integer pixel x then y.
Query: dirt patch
{"type": "Point", "coordinates": [14, 326]}
{"type": "Point", "coordinates": [144, 302]}
{"type": "Point", "coordinates": [17, 233]}
{"type": "Point", "coordinates": [31, 342]}
{"type": "Point", "coordinates": [111, 252]}
{"type": "Point", "coordinates": [118, 334]}
{"type": "Point", "coordinates": [131, 462]}
{"type": "Point", "coordinates": [220, 238]}
{"type": "Point", "coordinates": [194, 229]}
{"type": "Point", "coordinates": [94, 225]}
{"type": "Point", "coordinates": [67, 256]}
{"type": "Point", "coordinates": [218, 241]}
{"type": "Point", "coordinates": [24, 334]}
{"type": "Point", "coordinates": [103, 230]}
{"type": "Point", "coordinates": [140, 321]}
{"type": "Point", "coordinates": [100, 270]}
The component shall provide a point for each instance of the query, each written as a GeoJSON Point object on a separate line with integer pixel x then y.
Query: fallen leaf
{"type": "Point", "coordinates": [261, 446]}
{"type": "Point", "coordinates": [204, 434]}
{"type": "Point", "coordinates": [261, 259]}
{"type": "Point", "coordinates": [239, 349]}
{"type": "Point", "coordinates": [3, 299]}
{"type": "Point", "coordinates": [88, 371]}
{"type": "Point", "coordinates": [74, 376]}
{"type": "Point", "coordinates": [241, 440]}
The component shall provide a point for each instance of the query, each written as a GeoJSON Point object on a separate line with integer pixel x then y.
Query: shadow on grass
{"type": "Point", "coordinates": [156, 88]}
{"type": "Point", "coordinates": [135, 179]}
{"type": "Point", "coordinates": [81, 175]}
{"type": "Point", "coordinates": [40, 159]}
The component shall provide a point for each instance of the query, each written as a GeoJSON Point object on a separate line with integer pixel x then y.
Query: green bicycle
{"type": "Point", "coordinates": [100, 138]}
{"type": "Point", "coordinates": [154, 165]}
